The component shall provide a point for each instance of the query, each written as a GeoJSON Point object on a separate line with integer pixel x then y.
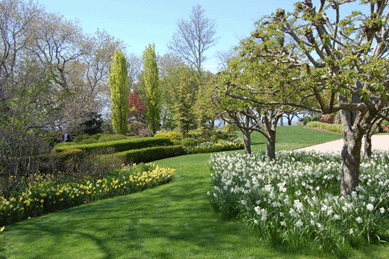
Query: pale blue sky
{"type": "Point", "coordinates": [140, 22]}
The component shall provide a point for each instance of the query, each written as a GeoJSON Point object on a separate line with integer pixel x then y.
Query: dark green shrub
{"type": "Point", "coordinates": [107, 137]}
{"type": "Point", "coordinates": [97, 136]}
{"type": "Point", "coordinates": [214, 138]}
{"type": "Point", "coordinates": [122, 145]}
{"type": "Point", "coordinates": [149, 154]}
{"type": "Point", "coordinates": [78, 139]}
{"type": "Point", "coordinates": [88, 141]}
{"type": "Point", "coordinates": [189, 142]}
{"type": "Point", "coordinates": [176, 142]}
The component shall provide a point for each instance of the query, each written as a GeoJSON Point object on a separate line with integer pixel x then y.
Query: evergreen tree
{"type": "Point", "coordinates": [118, 81]}
{"type": "Point", "coordinates": [151, 79]}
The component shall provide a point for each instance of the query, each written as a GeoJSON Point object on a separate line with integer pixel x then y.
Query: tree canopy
{"type": "Point", "coordinates": [151, 80]}
{"type": "Point", "coordinates": [339, 64]}
{"type": "Point", "coordinates": [119, 85]}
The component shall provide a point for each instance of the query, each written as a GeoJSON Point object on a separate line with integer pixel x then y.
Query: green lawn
{"type": "Point", "coordinates": [171, 221]}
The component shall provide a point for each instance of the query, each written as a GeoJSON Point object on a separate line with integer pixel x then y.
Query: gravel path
{"type": "Point", "coordinates": [378, 142]}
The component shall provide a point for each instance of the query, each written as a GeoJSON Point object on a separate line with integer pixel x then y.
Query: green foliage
{"type": "Point", "coordinates": [182, 84]}
{"type": "Point", "coordinates": [170, 134]}
{"type": "Point", "coordinates": [209, 147]}
{"type": "Point", "coordinates": [119, 85]}
{"type": "Point", "coordinates": [78, 139]}
{"type": "Point", "coordinates": [330, 127]}
{"type": "Point", "coordinates": [189, 142]}
{"type": "Point", "coordinates": [105, 138]}
{"type": "Point", "coordinates": [121, 145]}
{"type": "Point", "coordinates": [150, 154]}
{"type": "Point", "coordinates": [64, 144]}
{"type": "Point", "coordinates": [151, 79]}
{"type": "Point", "coordinates": [97, 136]}
{"type": "Point", "coordinates": [91, 124]}
{"type": "Point", "coordinates": [88, 141]}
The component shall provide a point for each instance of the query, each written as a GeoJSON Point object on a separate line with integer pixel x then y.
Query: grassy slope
{"type": "Point", "coordinates": [170, 221]}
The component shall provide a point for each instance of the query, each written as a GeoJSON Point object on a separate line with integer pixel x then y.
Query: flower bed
{"type": "Point", "coordinates": [46, 196]}
{"type": "Point", "coordinates": [208, 147]}
{"type": "Point", "coordinates": [295, 200]}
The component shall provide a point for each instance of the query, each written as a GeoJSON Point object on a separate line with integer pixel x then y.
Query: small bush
{"type": "Point", "coordinates": [189, 142]}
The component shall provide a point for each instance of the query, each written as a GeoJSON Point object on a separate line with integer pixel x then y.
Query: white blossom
{"type": "Point", "coordinates": [299, 223]}
{"type": "Point", "coordinates": [370, 207]}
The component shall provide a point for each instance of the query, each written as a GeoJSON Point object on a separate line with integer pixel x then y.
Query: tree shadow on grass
{"type": "Point", "coordinates": [153, 223]}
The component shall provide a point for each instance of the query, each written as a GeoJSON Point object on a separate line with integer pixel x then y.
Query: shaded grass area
{"type": "Point", "coordinates": [171, 221]}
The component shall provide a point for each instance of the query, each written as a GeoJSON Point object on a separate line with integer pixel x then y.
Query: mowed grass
{"type": "Point", "coordinates": [171, 221]}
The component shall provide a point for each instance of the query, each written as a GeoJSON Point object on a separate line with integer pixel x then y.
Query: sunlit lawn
{"type": "Point", "coordinates": [171, 221]}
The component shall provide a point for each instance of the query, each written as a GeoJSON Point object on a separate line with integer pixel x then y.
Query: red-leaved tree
{"type": "Point", "coordinates": [136, 108]}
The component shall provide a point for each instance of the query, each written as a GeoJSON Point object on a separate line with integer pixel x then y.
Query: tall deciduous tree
{"type": "Point", "coordinates": [341, 62]}
{"type": "Point", "coordinates": [194, 37]}
{"type": "Point", "coordinates": [151, 80]}
{"type": "Point", "coordinates": [118, 81]}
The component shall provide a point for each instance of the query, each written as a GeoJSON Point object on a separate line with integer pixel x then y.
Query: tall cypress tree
{"type": "Point", "coordinates": [118, 82]}
{"type": "Point", "coordinates": [151, 79]}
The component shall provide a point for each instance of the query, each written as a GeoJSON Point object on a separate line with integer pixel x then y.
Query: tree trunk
{"type": "Point", "coordinates": [271, 146]}
{"type": "Point", "coordinates": [367, 146]}
{"type": "Point", "coordinates": [351, 153]}
{"type": "Point", "coordinates": [247, 141]}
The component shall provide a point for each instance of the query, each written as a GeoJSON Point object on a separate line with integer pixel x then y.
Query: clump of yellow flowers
{"type": "Point", "coordinates": [46, 195]}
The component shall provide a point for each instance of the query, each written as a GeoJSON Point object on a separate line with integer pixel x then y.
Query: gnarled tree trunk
{"type": "Point", "coordinates": [351, 152]}
{"type": "Point", "coordinates": [247, 140]}
{"type": "Point", "coordinates": [271, 146]}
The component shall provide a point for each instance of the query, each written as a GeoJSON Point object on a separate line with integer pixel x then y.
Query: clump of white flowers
{"type": "Point", "coordinates": [297, 197]}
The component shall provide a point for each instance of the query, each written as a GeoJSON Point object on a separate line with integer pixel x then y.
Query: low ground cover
{"type": "Point", "coordinates": [294, 201]}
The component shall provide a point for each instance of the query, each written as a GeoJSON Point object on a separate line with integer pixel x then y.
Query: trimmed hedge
{"type": "Point", "coordinates": [121, 145]}
{"type": "Point", "coordinates": [149, 154]}
{"type": "Point", "coordinates": [331, 127]}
